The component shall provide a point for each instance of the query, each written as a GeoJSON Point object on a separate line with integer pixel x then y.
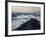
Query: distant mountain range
{"type": "Point", "coordinates": [25, 16]}
{"type": "Point", "coordinates": [32, 24]}
{"type": "Point", "coordinates": [34, 13]}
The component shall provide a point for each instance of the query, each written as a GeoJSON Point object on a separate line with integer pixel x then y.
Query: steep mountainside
{"type": "Point", "coordinates": [32, 24]}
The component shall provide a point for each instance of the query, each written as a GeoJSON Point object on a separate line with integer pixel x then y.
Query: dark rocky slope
{"type": "Point", "coordinates": [32, 24]}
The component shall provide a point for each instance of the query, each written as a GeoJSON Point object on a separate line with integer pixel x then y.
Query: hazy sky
{"type": "Point", "coordinates": [24, 9]}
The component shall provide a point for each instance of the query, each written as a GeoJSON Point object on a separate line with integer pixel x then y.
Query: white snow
{"type": "Point", "coordinates": [22, 19]}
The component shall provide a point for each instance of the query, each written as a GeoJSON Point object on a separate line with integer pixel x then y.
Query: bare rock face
{"type": "Point", "coordinates": [32, 24]}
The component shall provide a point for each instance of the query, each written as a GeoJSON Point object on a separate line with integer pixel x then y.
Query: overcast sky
{"type": "Point", "coordinates": [24, 9]}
